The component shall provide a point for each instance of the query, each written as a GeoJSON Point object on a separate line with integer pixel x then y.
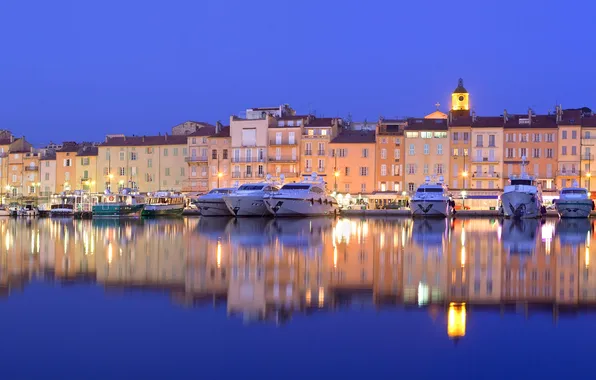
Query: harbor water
{"type": "Point", "coordinates": [297, 298]}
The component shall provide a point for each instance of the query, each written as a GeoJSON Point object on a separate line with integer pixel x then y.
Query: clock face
{"type": "Point", "coordinates": [461, 98]}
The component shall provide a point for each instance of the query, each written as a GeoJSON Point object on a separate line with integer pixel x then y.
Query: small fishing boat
{"type": "Point", "coordinates": [124, 204]}
{"type": "Point", "coordinates": [28, 210]}
{"type": "Point", "coordinates": [163, 203]}
{"type": "Point", "coordinates": [4, 211]}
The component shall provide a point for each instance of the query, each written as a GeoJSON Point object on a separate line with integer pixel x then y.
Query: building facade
{"type": "Point", "coordinates": [47, 170]}
{"type": "Point", "coordinates": [66, 167]}
{"type": "Point", "coordinates": [351, 169]}
{"type": "Point", "coordinates": [249, 139]}
{"type": "Point", "coordinates": [198, 160]}
{"type": "Point", "coordinates": [284, 147]}
{"type": "Point", "coordinates": [389, 155]}
{"type": "Point", "coordinates": [86, 169]}
{"type": "Point", "coordinates": [316, 136]}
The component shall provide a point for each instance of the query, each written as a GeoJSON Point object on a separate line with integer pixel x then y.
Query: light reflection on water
{"type": "Point", "coordinates": [270, 269]}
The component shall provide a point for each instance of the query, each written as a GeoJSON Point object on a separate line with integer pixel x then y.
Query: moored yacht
{"type": "Point", "coordinates": [574, 202]}
{"type": "Point", "coordinates": [522, 199]}
{"type": "Point", "coordinates": [431, 200]}
{"type": "Point", "coordinates": [163, 203]}
{"type": "Point", "coordinates": [248, 200]}
{"type": "Point", "coordinates": [212, 203]}
{"type": "Point", "coordinates": [305, 198]}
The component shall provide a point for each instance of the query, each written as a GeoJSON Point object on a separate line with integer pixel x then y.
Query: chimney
{"type": "Point", "coordinates": [473, 116]}
{"type": "Point", "coordinates": [559, 113]}
{"type": "Point", "coordinates": [166, 136]}
{"type": "Point", "coordinates": [143, 138]}
{"type": "Point", "coordinates": [218, 127]}
{"type": "Point", "coordinates": [530, 115]}
{"type": "Point", "coordinates": [505, 116]}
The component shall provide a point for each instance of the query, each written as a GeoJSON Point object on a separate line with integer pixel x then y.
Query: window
{"type": "Point", "coordinates": [225, 154]}
{"type": "Point", "coordinates": [383, 153]}
{"type": "Point", "coordinates": [426, 149]}
{"type": "Point", "coordinates": [365, 152]}
{"type": "Point", "coordinates": [564, 150]}
{"type": "Point", "coordinates": [550, 137]}
{"type": "Point", "coordinates": [363, 171]}
{"type": "Point", "coordinates": [67, 162]}
{"type": "Point", "coordinates": [573, 135]}
{"type": "Point", "coordinates": [425, 169]}
{"type": "Point", "coordinates": [165, 152]}
{"type": "Point", "coordinates": [122, 156]}
{"type": "Point", "coordinates": [167, 172]}
{"type": "Point", "coordinates": [149, 150]}
{"type": "Point", "coordinates": [574, 150]}
{"type": "Point", "coordinates": [523, 152]}
{"type": "Point", "coordinates": [194, 140]}
{"type": "Point", "coordinates": [396, 154]}
{"type": "Point", "coordinates": [439, 149]}
{"type": "Point", "coordinates": [175, 151]}
{"type": "Point", "coordinates": [466, 136]}
{"type": "Point", "coordinates": [411, 168]}
{"type": "Point", "coordinates": [549, 153]}
{"type": "Point", "coordinates": [321, 165]}
{"type": "Point", "coordinates": [411, 187]}
{"type": "Point", "coordinates": [439, 169]}
{"type": "Point", "coordinates": [426, 135]}
{"type": "Point", "coordinates": [510, 153]}
{"type": "Point", "coordinates": [536, 137]}
{"type": "Point", "coordinates": [479, 140]}
{"type": "Point", "coordinates": [564, 135]}
{"type": "Point", "coordinates": [536, 152]}
{"type": "Point", "coordinates": [347, 187]}
{"type": "Point", "coordinates": [47, 176]}
{"type": "Point", "coordinates": [67, 176]}
{"type": "Point", "coordinates": [383, 170]}
{"type": "Point", "coordinates": [411, 150]}
{"type": "Point", "coordinates": [182, 171]}
{"type": "Point", "coordinates": [347, 171]}
{"type": "Point", "coordinates": [455, 136]}
{"type": "Point", "coordinates": [214, 154]}
{"type": "Point", "coordinates": [491, 140]}
{"type": "Point", "coordinates": [456, 152]}
{"type": "Point", "coordinates": [523, 137]}
{"type": "Point", "coordinates": [122, 171]}
{"type": "Point", "coordinates": [86, 174]}
{"type": "Point", "coordinates": [323, 132]}
{"type": "Point", "coordinates": [149, 163]}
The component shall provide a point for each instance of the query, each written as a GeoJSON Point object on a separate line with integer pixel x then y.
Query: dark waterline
{"type": "Point", "coordinates": [374, 298]}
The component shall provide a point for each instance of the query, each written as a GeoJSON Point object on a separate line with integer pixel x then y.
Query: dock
{"type": "Point", "coordinates": [460, 213]}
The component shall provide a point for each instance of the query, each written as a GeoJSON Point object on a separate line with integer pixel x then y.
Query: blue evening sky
{"type": "Point", "coordinates": [81, 69]}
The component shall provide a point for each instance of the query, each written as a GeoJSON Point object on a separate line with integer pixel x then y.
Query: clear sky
{"type": "Point", "coordinates": [80, 69]}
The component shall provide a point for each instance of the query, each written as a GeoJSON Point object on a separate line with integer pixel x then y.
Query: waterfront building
{"type": "Point", "coordinates": [533, 137]}
{"type": "Point", "coordinates": [351, 167]}
{"type": "Point", "coordinates": [389, 153]}
{"type": "Point", "coordinates": [284, 147]}
{"type": "Point", "coordinates": [249, 144]}
{"type": "Point", "coordinates": [257, 113]}
{"type": "Point", "coordinates": [149, 163]}
{"type": "Point", "coordinates": [16, 170]}
{"type": "Point", "coordinates": [198, 160]}
{"type": "Point", "coordinates": [66, 166]}
{"type": "Point", "coordinates": [220, 149]}
{"type": "Point", "coordinates": [31, 177]}
{"type": "Point", "coordinates": [588, 152]}
{"type": "Point", "coordinates": [427, 151]}
{"type": "Point", "coordinates": [316, 136]}
{"type": "Point", "coordinates": [86, 169]}
{"type": "Point", "coordinates": [47, 173]}
{"type": "Point", "coordinates": [569, 149]}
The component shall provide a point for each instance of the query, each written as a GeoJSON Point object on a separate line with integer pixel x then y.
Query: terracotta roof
{"type": "Point", "coordinates": [488, 121]}
{"type": "Point", "coordinates": [204, 131]}
{"type": "Point", "coordinates": [354, 137]}
{"type": "Point", "coordinates": [146, 140]}
{"type": "Point", "coordinates": [68, 146]}
{"type": "Point", "coordinates": [225, 132]}
{"type": "Point", "coordinates": [293, 117]}
{"type": "Point", "coordinates": [571, 117]}
{"type": "Point", "coordinates": [87, 151]}
{"type": "Point", "coordinates": [20, 145]}
{"type": "Point", "coordinates": [4, 141]}
{"type": "Point", "coordinates": [321, 122]}
{"type": "Point", "coordinates": [48, 156]}
{"type": "Point", "coordinates": [417, 124]}
{"type": "Point", "coordinates": [589, 121]}
{"type": "Point", "coordinates": [461, 121]}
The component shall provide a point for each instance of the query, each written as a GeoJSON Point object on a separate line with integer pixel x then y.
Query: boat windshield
{"type": "Point", "coordinates": [293, 186]}
{"type": "Point", "coordinates": [251, 187]}
{"type": "Point", "coordinates": [574, 191]}
{"type": "Point", "coordinates": [220, 191]}
{"type": "Point", "coordinates": [429, 190]}
{"type": "Point", "coordinates": [527, 182]}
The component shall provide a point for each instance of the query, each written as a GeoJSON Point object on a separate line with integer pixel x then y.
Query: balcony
{"type": "Point", "coordinates": [247, 159]}
{"type": "Point", "coordinates": [196, 159]}
{"type": "Point", "coordinates": [288, 174]}
{"type": "Point", "coordinates": [485, 175]}
{"type": "Point", "coordinates": [485, 159]}
{"type": "Point", "coordinates": [588, 141]}
{"type": "Point", "coordinates": [282, 142]}
{"type": "Point", "coordinates": [315, 136]}
{"type": "Point", "coordinates": [587, 157]}
{"type": "Point", "coordinates": [321, 152]}
{"type": "Point", "coordinates": [283, 159]}
{"type": "Point", "coordinates": [31, 168]}
{"type": "Point", "coordinates": [308, 153]}
{"type": "Point", "coordinates": [83, 179]}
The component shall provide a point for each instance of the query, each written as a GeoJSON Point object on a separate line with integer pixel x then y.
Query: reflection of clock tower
{"type": "Point", "coordinates": [460, 99]}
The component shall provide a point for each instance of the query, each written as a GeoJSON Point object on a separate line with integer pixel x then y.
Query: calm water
{"type": "Point", "coordinates": [319, 298]}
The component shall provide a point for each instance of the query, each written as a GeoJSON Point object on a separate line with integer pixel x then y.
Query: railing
{"type": "Point", "coordinates": [587, 157]}
{"type": "Point", "coordinates": [321, 152]}
{"type": "Point", "coordinates": [282, 142]}
{"type": "Point", "coordinates": [283, 158]}
{"type": "Point", "coordinates": [196, 159]}
{"type": "Point", "coordinates": [316, 136]}
{"type": "Point", "coordinates": [236, 175]}
{"type": "Point", "coordinates": [484, 159]}
{"type": "Point", "coordinates": [308, 153]}
{"type": "Point", "coordinates": [288, 174]}
{"type": "Point", "coordinates": [485, 175]}
{"type": "Point", "coordinates": [31, 168]}
{"type": "Point", "coordinates": [83, 180]}
{"type": "Point", "coordinates": [247, 159]}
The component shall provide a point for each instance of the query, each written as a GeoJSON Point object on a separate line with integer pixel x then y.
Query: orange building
{"type": "Point", "coordinates": [66, 166]}
{"type": "Point", "coordinates": [16, 184]}
{"type": "Point", "coordinates": [351, 169]}
{"type": "Point", "coordinates": [389, 156]}
{"type": "Point", "coordinates": [316, 136]}
{"type": "Point", "coordinates": [569, 149]}
{"type": "Point", "coordinates": [284, 147]}
{"type": "Point", "coordinates": [588, 145]}
{"type": "Point", "coordinates": [198, 160]}
{"type": "Point", "coordinates": [219, 148]}
{"type": "Point", "coordinates": [533, 137]}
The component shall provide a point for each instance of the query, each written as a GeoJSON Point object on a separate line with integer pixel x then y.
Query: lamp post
{"type": "Point", "coordinates": [335, 175]}
{"type": "Point", "coordinates": [219, 175]}
{"type": "Point", "coordinates": [589, 177]}
{"type": "Point", "coordinates": [465, 176]}
{"type": "Point", "coordinates": [110, 177]}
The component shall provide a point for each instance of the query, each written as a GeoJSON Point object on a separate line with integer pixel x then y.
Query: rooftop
{"type": "Point", "coordinates": [204, 131]}
{"type": "Point", "coordinates": [321, 122]}
{"type": "Point", "coordinates": [418, 124]}
{"type": "Point", "coordinates": [87, 151]}
{"type": "Point", "coordinates": [355, 137]}
{"type": "Point", "coordinates": [145, 140]}
{"type": "Point", "coordinates": [224, 132]}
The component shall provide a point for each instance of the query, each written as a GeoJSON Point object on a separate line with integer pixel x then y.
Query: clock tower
{"type": "Point", "coordinates": [460, 99]}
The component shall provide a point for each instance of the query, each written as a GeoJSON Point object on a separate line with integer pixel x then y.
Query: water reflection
{"type": "Point", "coordinates": [273, 269]}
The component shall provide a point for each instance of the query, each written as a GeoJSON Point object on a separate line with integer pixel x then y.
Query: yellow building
{"type": "Point", "coordinates": [198, 160]}
{"type": "Point", "coordinates": [66, 166]}
{"type": "Point", "coordinates": [31, 175]}
{"type": "Point", "coordinates": [588, 152]}
{"type": "Point", "coordinates": [220, 151]}
{"type": "Point", "coordinates": [249, 143]}
{"type": "Point", "coordinates": [316, 136]}
{"type": "Point", "coordinates": [351, 166]}
{"type": "Point", "coordinates": [427, 151]}
{"type": "Point", "coordinates": [16, 183]}
{"type": "Point", "coordinates": [47, 174]}
{"type": "Point", "coordinates": [569, 149]}
{"type": "Point", "coordinates": [284, 147]}
{"type": "Point", "coordinates": [5, 140]}
{"type": "Point", "coordinates": [86, 169]}
{"type": "Point", "coordinates": [149, 163]}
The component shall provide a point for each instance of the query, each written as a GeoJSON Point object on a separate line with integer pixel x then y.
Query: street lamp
{"type": "Point", "coordinates": [464, 192]}
{"type": "Point", "coordinates": [335, 175]}
{"type": "Point", "coordinates": [219, 175]}
{"type": "Point", "coordinates": [589, 177]}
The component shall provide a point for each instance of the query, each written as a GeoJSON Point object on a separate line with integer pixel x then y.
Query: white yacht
{"type": "Point", "coordinates": [248, 199]}
{"type": "Point", "coordinates": [212, 203]}
{"type": "Point", "coordinates": [305, 198]}
{"type": "Point", "coordinates": [574, 202]}
{"type": "Point", "coordinates": [522, 199]}
{"type": "Point", "coordinates": [431, 200]}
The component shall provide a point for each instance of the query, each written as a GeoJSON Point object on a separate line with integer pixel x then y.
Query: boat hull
{"type": "Point", "coordinates": [162, 210]}
{"type": "Point", "coordinates": [116, 210]}
{"type": "Point", "coordinates": [300, 207]}
{"type": "Point", "coordinates": [213, 208]}
{"type": "Point", "coordinates": [247, 205]}
{"type": "Point", "coordinates": [574, 208]}
{"type": "Point", "coordinates": [61, 212]}
{"type": "Point", "coordinates": [4, 213]}
{"type": "Point", "coordinates": [430, 208]}
{"type": "Point", "coordinates": [521, 205]}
